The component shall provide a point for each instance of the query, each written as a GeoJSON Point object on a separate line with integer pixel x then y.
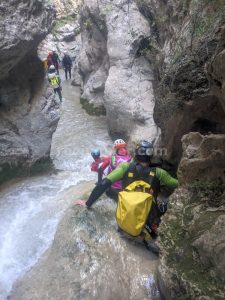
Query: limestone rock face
{"type": "Point", "coordinates": [66, 8]}
{"type": "Point", "coordinates": [114, 74]}
{"type": "Point", "coordinates": [192, 242]}
{"type": "Point", "coordinates": [210, 247]}
{"type": "Point", "coordinates": [28, 109]}
{"type": "Point", "coordinates": [23, 25]}
{"type": "Point", "coordinates": [64, 39]}
{"type": "Point", "coordinates": [29, 116]}
{"type": "Point", "coordinates": [203, 157]}
{"type": "Point", "coordinates": [188, 52]}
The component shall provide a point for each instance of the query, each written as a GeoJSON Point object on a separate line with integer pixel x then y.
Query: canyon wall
{"type": "Point", "coordinates": [28, 110]}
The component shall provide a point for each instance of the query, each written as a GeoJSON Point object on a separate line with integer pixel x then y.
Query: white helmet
{"type": "Point", "coordinates": [52, 67]}
{"type": "Point", "coordinates": [118, 144]}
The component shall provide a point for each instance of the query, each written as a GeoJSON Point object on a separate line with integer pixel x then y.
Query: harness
{"type": "Point", "coordinates": [148, 174]}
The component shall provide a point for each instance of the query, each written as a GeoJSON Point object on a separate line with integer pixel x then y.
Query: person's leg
{"type": "Point", "coordinates": [57, 68]}
{"type": "Point", "coordinates": [60, 94]}
{"type": "Point", "coordinates": [113, 194]}
{"type": "Point", "coordinates": [100, 174]}
{"type": "Point", "coordinates": [70, 72]}
{"type": "Point", "coordinates": [66, 72]}
{"type": "Point", "coordinates": [58, 90]}
{"type": "Point", "coordinates": [153, 221]}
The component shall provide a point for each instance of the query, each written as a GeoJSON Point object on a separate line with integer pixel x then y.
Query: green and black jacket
{"type": "Point", "coordinates": [161, 177]}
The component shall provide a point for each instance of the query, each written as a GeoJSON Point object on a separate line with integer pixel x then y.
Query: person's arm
{"type": "Point", "coordinates": [94, 167]}
{"type": "Point", "coordinates": [98, 191]}
{"type": "Point", "coordinates": [100, 174]}
{"type": "Point", "coordinates": [119, 172]}
{"type": "Point", "coordinates": [115, 175]}
{"type": "Point", "coordinates": [106, 161]}
{"type": "Point", "coordinates": [63, 63]}
{"type": "Point", "coordinates": [166, 179]}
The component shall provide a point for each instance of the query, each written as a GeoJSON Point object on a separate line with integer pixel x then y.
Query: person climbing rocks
{"type": "Point", "coordinates": [105, 165]}
{"type": "Point", "coordinates": [138, 213]}
{"type": "Point", "coordinates": [49, 59]}
{"type": "Point", "coordinates": [55, 81]}
{"type": "Point", "coordinates": [122, 155]}
{"type": "Point", "coordinates": [100, 164]}
{"type": "Point", "coordinates": [67, 65]}
{"type": "Point", "coordinates": [56, 61]}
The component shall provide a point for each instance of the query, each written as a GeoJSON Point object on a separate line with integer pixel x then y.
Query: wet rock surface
{"type": "Point", "coordinates": [89, 260]}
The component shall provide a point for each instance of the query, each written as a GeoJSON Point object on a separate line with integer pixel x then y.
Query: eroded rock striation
{"type": "Point", "coordinates": [203, 158]}
{"type": "Point", "coordinates": [193, 243]}
{"type": "Point", "coordinates": [114, 74]}
{"type": "Point", "coordinates": [29, 113]}
{"type": "Point", "coordinates": [65, 8]}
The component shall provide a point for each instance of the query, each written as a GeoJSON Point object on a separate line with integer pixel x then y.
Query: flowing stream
{"type": "Point", "coordinates": [30, 209]}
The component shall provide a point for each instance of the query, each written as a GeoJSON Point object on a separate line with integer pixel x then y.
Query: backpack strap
{"type": "Point", "coordinates": [153, 181]}
{"type": "Point", "coordinates": [113, 161]}
{"type": "Point", "coordinates": [147, 174]}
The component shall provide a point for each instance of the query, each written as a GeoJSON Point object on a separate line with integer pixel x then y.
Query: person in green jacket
{"type": "Point", "coordinates": [141, 169]}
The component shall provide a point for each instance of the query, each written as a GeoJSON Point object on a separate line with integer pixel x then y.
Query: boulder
{"type": "Point", "coordinates": [113, 72]}
{"type": "Point", "coordinates": [203, 157]}
{"type": "Point", "coordinates": [210, 247]}
{"type": "Point", "coordinates": [23, 25]}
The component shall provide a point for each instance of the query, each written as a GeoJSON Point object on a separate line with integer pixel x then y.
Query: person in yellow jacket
{"type": "Point", "coordinates": [140, 169]}
{"type": "Point", "coordinates": [55, 81]}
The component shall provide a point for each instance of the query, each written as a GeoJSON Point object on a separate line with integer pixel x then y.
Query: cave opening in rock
{"type": "Point", "coordinates": [144, 46]}
{"type": "Point", "coordinates": [205, 126]}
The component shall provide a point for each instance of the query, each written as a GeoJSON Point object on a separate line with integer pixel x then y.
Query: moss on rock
{"type": "Point", "coordinates": [91, 109]}
{"type": "Point", "coordinates": [181, 266]}
{"type": "Point", "coordinates": [8, 172]}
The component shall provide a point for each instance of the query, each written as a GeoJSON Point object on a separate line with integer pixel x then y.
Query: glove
{"type": "Point", "coordinates": [94, 167]}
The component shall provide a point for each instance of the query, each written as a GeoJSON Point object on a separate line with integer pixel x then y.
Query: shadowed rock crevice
{"type": "Point", "coordinates": [204, 115]}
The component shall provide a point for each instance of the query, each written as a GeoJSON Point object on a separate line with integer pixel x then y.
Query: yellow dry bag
{"type": "Point", "coordinates": [134, 205]}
